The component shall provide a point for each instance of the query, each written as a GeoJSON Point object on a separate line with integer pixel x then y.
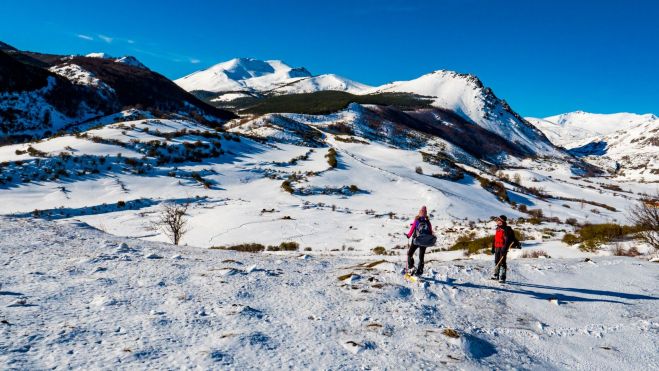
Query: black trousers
{"type": "Point", "coordinates": [500, 255]}
{"type": "Point", "coordinates": [410, 258]}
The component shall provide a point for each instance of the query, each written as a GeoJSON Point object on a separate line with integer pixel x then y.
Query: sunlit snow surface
{"type": "Point", "coordinates": [74, 297]}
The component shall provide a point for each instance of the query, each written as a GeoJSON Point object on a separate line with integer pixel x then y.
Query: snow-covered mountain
{"type": "Point", "coordinates": [320, 83]}
{"type": "Point", "coordinates": [256, 76]}
{"type": "Point", "coordinates": [102, 55]}
{"type": "Point", "coordinates": [569, 129]}
{"type": "Point", "coordinates": [632, 152]}
{"type": "Point", "coordinates": [80, 76]}
{"type": "Point", "coordinates": [41, 94]}
{"type": "Point", "coordinates": [466, 96]}
{"type": "Point", "coordinates": [626, 144]}
{"type": "Point", "coordinates": [461, 94]}
{"type": "Point", "coordinates": [131, 61]}
{"type": "Point", "coordinates": [127, 59]}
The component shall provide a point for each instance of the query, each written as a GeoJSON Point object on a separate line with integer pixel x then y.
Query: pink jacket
{"type": "Point", "coordinates": [416, 222]}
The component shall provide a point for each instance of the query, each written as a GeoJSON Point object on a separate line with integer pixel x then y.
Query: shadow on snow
{"type": "Point", "coordinates": [521, 289]}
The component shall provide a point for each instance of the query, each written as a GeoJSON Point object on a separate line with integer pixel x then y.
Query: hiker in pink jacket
{"type": "Point", "coordinates": [420, 227]}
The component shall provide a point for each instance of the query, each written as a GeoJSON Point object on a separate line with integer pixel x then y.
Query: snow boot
{"type": "Point", "coordinates": [502, 277]}
{"type": "Point", "coordinates": [494, 277]}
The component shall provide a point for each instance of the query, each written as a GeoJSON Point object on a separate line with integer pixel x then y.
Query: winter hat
{"type": "Point", "coordinates": [502, 218]}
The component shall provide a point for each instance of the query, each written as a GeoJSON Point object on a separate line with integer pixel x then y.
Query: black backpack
{"type": "Point", "coordinates": [423, 235]}
{"type": "Point", "coordinates": [515, 244]}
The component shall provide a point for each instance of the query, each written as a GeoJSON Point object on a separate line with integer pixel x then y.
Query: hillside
{"type": "Point", "coordinates": [466, 96]}
{"type": "Point", "coordinates": [630, 153]}
{"type": "Point", "coordinates": [117, 176]}
{"type": "Point", "coordinates": [325, 102]}
{"type": "Point", "coordinates": [569, 129]}
{"type": "Point", "coordinates": [624, 144]}
{"type": "Point", "coordinates": [443, 140]}
{"type": "Point", "coordinates": [42, 94]}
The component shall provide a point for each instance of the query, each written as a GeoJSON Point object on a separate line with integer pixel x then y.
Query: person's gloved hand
{"type": "Point", "coordinates": [492, 249]}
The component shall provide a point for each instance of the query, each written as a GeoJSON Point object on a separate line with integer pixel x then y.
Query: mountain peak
{"type": "Point", "coordinates": [466, 95]}
{"type": "Point", "coordinates": [102, 55]}
{"type": "Point", "coordinates": [126, 59]}
{"type": "Point", "coordinates": [270, 76]}
{"type": "Point", "coordinates": [243, 74]}
{"type": "Point", "coordinates": [131, 61]}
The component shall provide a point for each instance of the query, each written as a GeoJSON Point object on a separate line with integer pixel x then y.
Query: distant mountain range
{"type": "Point", "coordinates": [42, 94]}
{"type": "Point", "coordinates": [623, 143]}
{"type": "Point", "coordinates": [569, 129]}
{"type": "Point", "coordinates": [246, 81]}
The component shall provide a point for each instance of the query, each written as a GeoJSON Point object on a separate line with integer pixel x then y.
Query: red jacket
{"type": "Point", "coordinates": [499, 238]}
{"type": "Point", "coordinates": [504, 237]}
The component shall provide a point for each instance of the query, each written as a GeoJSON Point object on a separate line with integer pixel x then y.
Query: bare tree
{"type": "Point", "coordinates": [172, 221]}
{"type": "Point", "coordinates": [645, 216]}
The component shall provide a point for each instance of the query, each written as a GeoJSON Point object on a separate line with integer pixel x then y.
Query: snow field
{"type": "Point", "coordinates": [74, 296]}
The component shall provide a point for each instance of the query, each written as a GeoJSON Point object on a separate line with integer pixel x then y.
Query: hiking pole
{"type": "Point", "coordinates": [499, 263]}
{"type": "Point", "coordinates": [405, 256]}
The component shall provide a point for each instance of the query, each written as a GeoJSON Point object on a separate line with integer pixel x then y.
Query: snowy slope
{"type": "Point", "coordinates": [146, 162]}
{"type": "Point", "coordinates": [73, 295]}
{"type": "Point", "coordinates": [131, 61]}
{"type": "Point", "coordinates": [242, 74]}
{"type": "Point", "coordinates": [76, 297]}
{"type": "Point", "coordinates": [632, 152]}
{"type": "Point", "coordinates": [80, 76]}
{"type": "Point", "coordinates": [370, 123]}
{"type": "Point", "coordinates": [33, 114]}
{"type": "Point", "coordinates": [252, 75]}
{"type": "Point", "coordinates": [320, 83]}
{"type": "Point", "coordinates": [569, 129]}
{"type": "Point", "coordinates": [625, 144]}
{"type": "Point", "coordinates": [242, 182]}
{"type": "Point", "coordinates": [466, 96]}
{"type": "Point", "coordinates": [101, 55]}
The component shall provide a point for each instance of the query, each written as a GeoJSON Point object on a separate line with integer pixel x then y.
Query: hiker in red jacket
{"type": "Point", "coordinates": [504, 239]}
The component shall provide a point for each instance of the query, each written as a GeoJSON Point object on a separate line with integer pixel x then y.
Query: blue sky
{"type": "Point", "coordinates": [544, 57]}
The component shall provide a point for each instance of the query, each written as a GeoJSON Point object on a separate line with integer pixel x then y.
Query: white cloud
{"type": "Point", "coordinates": [85, 37]}
{"type": "Point", "coordinates": [107, 39]}
{"type": "Point", "coordinates": [178, 58]}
